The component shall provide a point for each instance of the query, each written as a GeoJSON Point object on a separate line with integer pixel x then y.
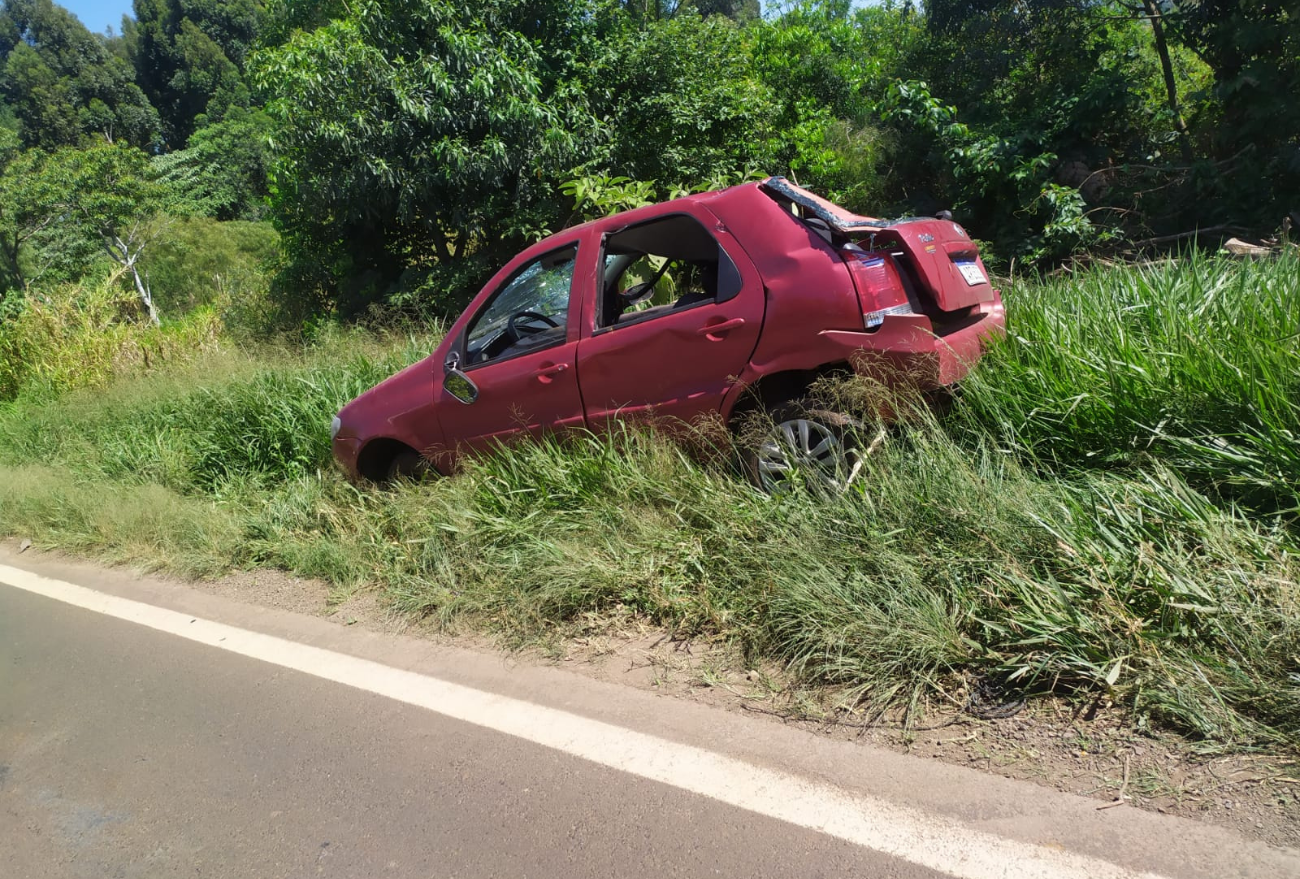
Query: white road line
{"type": "Point", "coordinates": [903, 832]}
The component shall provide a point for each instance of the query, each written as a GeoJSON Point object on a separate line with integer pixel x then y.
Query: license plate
{"type": "Point", "coordinates": [973, 274]}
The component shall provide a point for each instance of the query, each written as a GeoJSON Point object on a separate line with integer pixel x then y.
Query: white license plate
{"type": "Point", "coordinates": [972, 273]}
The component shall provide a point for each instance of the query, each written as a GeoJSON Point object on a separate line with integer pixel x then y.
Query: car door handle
{"type": "Point", "coordinates": [721, 327]}
{"type": "Point", "coordinates": [547, 372]}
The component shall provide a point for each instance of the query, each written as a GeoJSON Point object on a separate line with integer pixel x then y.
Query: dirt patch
{"type": "Point", "coordinates": [1090, 750]}
{"type": "Point", "coordinates": [271, 589]}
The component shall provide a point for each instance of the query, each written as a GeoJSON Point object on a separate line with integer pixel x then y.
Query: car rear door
{"type": "Point", "coordinates": [675, 362]}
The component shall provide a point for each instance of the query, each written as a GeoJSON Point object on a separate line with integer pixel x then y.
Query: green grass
{"type": "Point", "coordinates": [1195, 364]}
{"type": "Point", "coordinates": [1015, 539]}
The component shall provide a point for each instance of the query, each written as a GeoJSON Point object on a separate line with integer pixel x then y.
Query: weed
{"type": "Point", "coordinates": [1195, 363]}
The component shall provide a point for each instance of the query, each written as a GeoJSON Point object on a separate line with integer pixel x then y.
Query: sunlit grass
{"type": "Point", "coordinates": [1196, 363]}
{"type": "Point", "coordinates": [1073, 525]}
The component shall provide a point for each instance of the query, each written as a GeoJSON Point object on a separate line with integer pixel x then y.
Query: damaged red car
{"type": "Point", "coordinates": [706, 307]}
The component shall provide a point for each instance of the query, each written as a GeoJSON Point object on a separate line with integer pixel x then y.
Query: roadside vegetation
{"type": "Point", "coordinates": [1109, 508]}
{"type": "Point", "coordinates": [220, 224]}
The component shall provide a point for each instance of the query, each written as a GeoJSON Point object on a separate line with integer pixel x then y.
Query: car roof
{"type": "Point", "coordinates": [627, 218]}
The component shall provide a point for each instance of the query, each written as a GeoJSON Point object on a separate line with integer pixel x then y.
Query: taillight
{"type": "Point", "coordinates": [880, 287]}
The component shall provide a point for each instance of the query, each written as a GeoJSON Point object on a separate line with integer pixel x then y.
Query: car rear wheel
{"type": "Point", "coordinates": [802, 443]}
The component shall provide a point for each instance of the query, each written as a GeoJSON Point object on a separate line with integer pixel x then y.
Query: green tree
{"type": "Point", "coordinates": [415, 132]}
{"type": "Point", "coordinates": [189, 57]}
{"type": "Point", "coordinates": [1253, 49]}
{"type": "Point", "coordinates": [662, 10]}
{"type": "Point", "coordinates": [828, 66]}
{"type": "Point", "coordinates": [103, 196]}
{"type": "Point", "coordinates": [1055, 98]}
{"type": "Point", "coordinates": [222, 172]}
{"type": "Point", "coordinates": [683, 100]}
{"type": "Point", "coordinates": [64, 84]}
{"type": "Point", "coordinates": [27, 199]}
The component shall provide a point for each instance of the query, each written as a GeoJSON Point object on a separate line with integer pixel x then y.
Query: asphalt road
{"type": "Point", "coordinates": [131, 752]}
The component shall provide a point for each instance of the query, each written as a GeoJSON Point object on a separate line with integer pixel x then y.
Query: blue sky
{"type": "Point", "coordinates": [98, 14]}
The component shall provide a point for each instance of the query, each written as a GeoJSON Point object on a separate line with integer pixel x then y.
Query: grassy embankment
{"type": "Point", "coordinates": [1110, 506]}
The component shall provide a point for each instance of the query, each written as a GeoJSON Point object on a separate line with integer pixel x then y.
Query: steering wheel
{"type": "Point", "coordinates": [515, 331]}
{"type": "Point", "coordinates": [643, 291]}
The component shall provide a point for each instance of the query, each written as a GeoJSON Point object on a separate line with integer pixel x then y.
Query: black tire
{"type": "Point", "coordinates": [798, 439]}
{"type": "Point", "coordinates": [407, 466]}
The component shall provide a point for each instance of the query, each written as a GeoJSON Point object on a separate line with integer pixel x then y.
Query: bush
{"type": "Point", "coordinates": [198, 261]}
{"type": "Point", "coordinates": [77, 336]}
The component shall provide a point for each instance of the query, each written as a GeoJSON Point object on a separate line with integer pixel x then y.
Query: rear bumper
{"type": "Point", "coordinates": [906, 347]}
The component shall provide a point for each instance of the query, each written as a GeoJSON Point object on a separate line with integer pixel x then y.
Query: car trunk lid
{"type": "Point", "coordinates": [943, 260]}
{"type": "Point", "coordinates": [946, 261]}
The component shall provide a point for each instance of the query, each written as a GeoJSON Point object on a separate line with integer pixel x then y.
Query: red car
{"type": "Point", "coordinates": [707, 306]}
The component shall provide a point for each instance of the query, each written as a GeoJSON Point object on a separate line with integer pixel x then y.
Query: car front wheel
{"type": "Point", "coordinates": [407, 465]}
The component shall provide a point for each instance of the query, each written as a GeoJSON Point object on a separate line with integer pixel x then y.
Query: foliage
{"type": "Point", "coordinates": [414, 130]}
{"type": "Point", "coordinates": [98, 201]}
{"type": "Point", "coordinates": [26, 198]}
{"type": "Point", "coordinates": [684, 100]}
{"type": "Point", "coordinates": [83, 335]}
{"type": "Point", "coordinates": [201, 262]}
{"type": "Point", "coordinates": [408, 146]}
{"type": "Point", "coordinates": [826, 66]}
{"type": "Point", "coordinates": [106, 188]}
{"type": "Point", "coordinates": [189, 57]}
{"type": "Point", "coordinates": [1047, 94]}
{"type": "Point", "coordinates": [222, 171]}
{"type": "Point", "coordinates": [64, 84]}
{"type": "Point", "coordinates": [661, 10]}
{"type": "Point", "coordinates": [599, 195]}
{"type": "Point", "coordinates": [1048, 127]}
{"type": "Point", "coordinates": [60, 212]}
{"type": "Point", "coordinates": [1253, 49]}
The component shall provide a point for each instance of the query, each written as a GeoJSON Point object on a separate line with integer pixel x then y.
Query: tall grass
{"type": "Point", "coordinates": [1195, 363]}
{"type": "Point", "coordinates": [1014, 540]}
{"type": "Point", "coordinates": [258, 414]}
{"type": "Point", "coordinates": [84, 335]}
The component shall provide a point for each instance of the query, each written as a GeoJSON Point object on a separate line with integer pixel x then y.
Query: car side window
{"type": "Point", "coordinates": [662, 266]}
{"type": "Point", "coordinates": [529, 312]}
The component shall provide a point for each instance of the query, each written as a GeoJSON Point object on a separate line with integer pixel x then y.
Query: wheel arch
{"type": "Point", "coordinates": [377, 454]}
{"type": "Point", "coordinates": [769, 391]}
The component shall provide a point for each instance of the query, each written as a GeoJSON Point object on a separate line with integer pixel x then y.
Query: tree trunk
{"type": "Point", "coordinates": [120, 252]}
{"type": "Point", "coordinates": [146, 296]}
{"type": "Point", "coordinates": [1155, 16]}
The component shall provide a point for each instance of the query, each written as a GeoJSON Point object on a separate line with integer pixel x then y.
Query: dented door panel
{"type": "Point", "coordinates": [680, 364]}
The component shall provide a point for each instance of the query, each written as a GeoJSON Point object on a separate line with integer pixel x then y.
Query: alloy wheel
{"type": "Point", "coordinates": [806, 448]}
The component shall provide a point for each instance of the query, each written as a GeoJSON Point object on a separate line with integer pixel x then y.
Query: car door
{"type": "Point", "coordinates": [509, 368]}
{"type": "Point", "coordinates": [679, 359]}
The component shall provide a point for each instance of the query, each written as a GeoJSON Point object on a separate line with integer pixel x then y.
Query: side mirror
{"type": "Point", "coordinates": [459, 385]}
